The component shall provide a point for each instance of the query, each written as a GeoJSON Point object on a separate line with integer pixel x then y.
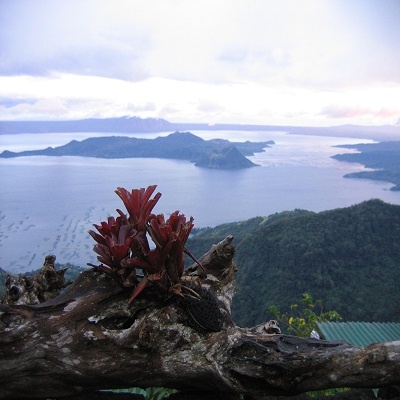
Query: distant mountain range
{"type": "Point", "coordinates": [144, 125]}
{"type": "Point", "coordinates": [101, 125]}
{"type": "Point", "coordinates": [215, 153]}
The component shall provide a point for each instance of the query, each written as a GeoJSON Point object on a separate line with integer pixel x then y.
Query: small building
{"type": "Point", "coordinates": [360, 334]}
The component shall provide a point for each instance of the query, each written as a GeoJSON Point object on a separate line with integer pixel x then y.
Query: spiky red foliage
{"type": "Point", "coordinates": [123, 247]}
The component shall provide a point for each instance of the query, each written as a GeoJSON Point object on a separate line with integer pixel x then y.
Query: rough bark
{"type": "Point", "coordinates": [88, 338]}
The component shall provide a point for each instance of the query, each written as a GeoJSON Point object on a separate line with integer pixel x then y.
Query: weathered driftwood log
{"type": "Point", "coordinates": [88, 338]}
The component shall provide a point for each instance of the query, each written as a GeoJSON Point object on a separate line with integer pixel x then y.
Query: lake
{"type": "Point", "coordinates": [49, 203]}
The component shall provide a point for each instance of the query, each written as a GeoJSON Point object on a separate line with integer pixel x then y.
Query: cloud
{"type": "Point", "coordinates": [335, 111]}
{"type": "Point", "coordinates": [85, 37]}
{"type": "Point", "coordinates": [291, 41]}
{"type": "Point", "coordinates": [207, 59]}
{"type": "Point", "coordinates": [209, 106]}
{"type": "Point", "coordinates": [44, 108]}
{"type": "Point", "coordinates": [344, 111]}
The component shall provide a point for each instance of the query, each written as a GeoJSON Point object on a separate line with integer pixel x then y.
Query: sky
{"type": "Point", "coordinates": [272, 62]}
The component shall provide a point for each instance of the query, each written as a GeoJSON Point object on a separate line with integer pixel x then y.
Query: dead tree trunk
{"type": "Point", "coordinates": [88, 339]}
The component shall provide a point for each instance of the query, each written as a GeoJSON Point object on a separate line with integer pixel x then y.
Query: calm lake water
{"type": "Point", "coordinates": [49, 203]}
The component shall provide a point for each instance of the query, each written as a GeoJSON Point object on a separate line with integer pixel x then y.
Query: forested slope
{"type": "Point", "coordinates": [349, 258]}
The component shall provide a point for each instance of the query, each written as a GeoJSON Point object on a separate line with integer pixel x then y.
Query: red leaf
{"type": "Point", "coordinates": [119, 251]}
{"type": "Point", "coordinates": [140, 244]}
{"type": "Point", "coordinates": [98, 238]}
{"type": "Point", "coordinates": [160, 234]}
{"type": "Point", "coordinates": [137, 263]}
{"type": "Point", "coordinates": [102, 250]}
{"type": "Point", "coordinates": [139, 288]}
{"type": "Point", "coordinates": [138, 204]}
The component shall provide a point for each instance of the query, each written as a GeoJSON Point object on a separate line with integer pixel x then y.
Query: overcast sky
{"type": "Point", "coordinates": [284, 62]}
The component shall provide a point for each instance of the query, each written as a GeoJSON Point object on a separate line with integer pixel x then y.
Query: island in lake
{"type": "Point", "coordinates": [383, 158]}
{"type": "Point", "coordinates": [214, 153]}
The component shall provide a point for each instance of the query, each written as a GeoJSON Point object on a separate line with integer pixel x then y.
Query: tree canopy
{"type": "Point", "coordinates": [348, 257]}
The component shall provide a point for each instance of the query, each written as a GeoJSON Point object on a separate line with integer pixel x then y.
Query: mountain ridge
{"type": "Point", "coordinates": [153, 125]}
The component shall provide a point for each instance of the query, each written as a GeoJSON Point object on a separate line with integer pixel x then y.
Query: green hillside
{"type": "Point", "coordinates": [349, 258]}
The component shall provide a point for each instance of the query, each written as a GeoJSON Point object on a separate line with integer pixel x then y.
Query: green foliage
{"type": "Point", "coordinates": [349, 257]}
{"type": "Point", "coordinates": [202, 239]}
{"type": "Point", "coordinates": [327, 392]}
{"type": "Point", "coordinates": [301, 322]}
{"type": "Point", "coordinates": [151, 393]}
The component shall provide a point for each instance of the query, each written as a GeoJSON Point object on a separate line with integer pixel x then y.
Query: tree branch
{"type": "Point", "coordinates": [89, 338]}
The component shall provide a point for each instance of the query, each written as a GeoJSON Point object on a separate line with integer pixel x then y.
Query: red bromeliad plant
{"type": "Point", "coordinates": [123, 248]}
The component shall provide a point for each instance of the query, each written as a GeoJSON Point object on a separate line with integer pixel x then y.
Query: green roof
{"type": "Point", "coordinates": [360, 334]}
